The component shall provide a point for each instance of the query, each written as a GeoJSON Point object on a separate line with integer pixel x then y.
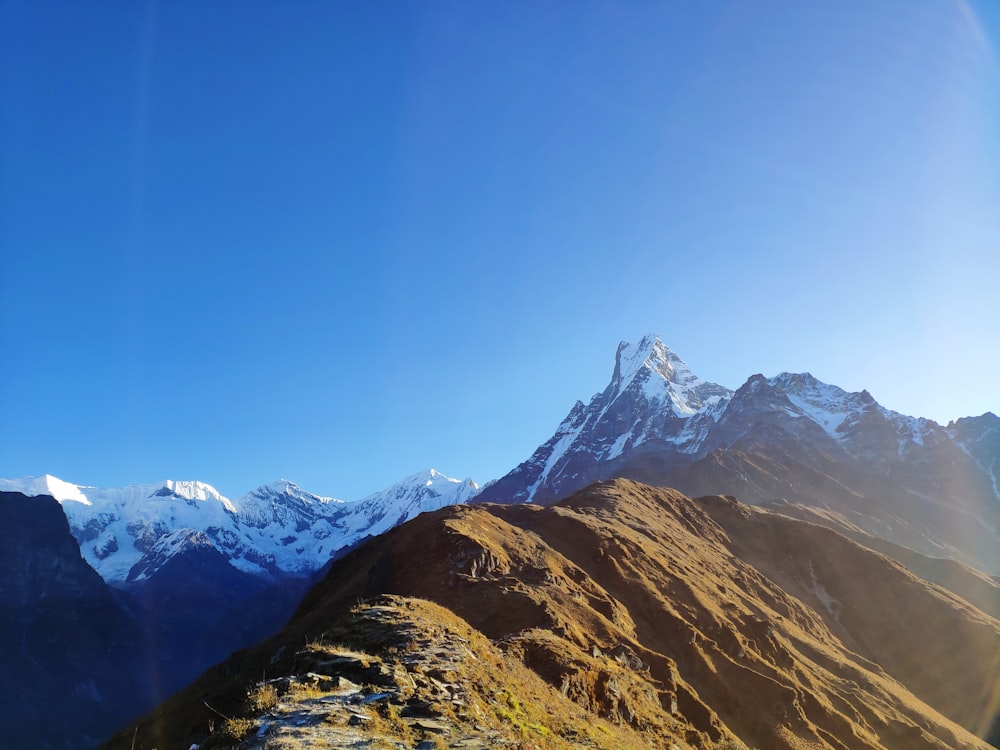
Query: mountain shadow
{"type": "Point", "coordinates": [74, 658]}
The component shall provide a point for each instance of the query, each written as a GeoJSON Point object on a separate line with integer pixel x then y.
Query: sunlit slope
{"type": "Point", "coordinates": [765, 626]}
{"type": "Point", "coordinates": [693, 622]}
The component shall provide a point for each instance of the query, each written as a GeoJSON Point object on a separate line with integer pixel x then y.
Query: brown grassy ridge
{"type": "Point", "coordinates": [974, 586]}
{"type": "Point", "coordinates": [673, 621]}
{"type": "Point", "coordinates": [626, 564]}
{"type": "Point", "coordinates": [389, 644]}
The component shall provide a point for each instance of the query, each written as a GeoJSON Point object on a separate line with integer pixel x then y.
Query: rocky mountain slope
{"type": "Point", "coordinates": [393, 673]}
{"type": "Point", "coordinates": [687, 623]}
{"type": "Point", "coordinates": [787, 439]}
{"type": "Point", "coordinates": [71, 651]}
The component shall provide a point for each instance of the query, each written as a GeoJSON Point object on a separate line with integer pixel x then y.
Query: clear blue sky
{"type": "Point", "coordinates": [343, 242]}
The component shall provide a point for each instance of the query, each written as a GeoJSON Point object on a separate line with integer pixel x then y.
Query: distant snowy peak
{"type": "Point", "coordinates": [284, 488]}
{"type": "Point", "coordinates": [653, 370]}
{"type": "Point", "coordinates": [817, 393]}
{"type": "Point", "coordinates": [826, 405]}
{"type": "Point", "coordinates": [192, 491]}
{"type": "Point", "coordinates": [843, 414]}
{"type": "Point", "coordinates": [432, 483]}
{"type": "Point", "coordinates": [427, 490]}
{"type": "Point", "coordinates": [45, 485]}
{"type": "Point", "coordinates": [657, 416]}
{"type": "Point", "coordinates": [128, 533]}
{"type": "Point", "coordinates": [279, 502]}
{"type": "Point", "coordinates": [653, 397]}
{"type": "Point", "coordinates": [167, 546]}
{"type": "Point", "coordinates": [649, 353]}
{"type": "Point", "coordinates": [69, 494]}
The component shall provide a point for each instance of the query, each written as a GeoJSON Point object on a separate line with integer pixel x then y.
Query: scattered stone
{"type": "Point", "coordinates": [430, 725]}
{"type": "Point", "coordinates": [376, 697]}
{"type": "Point", "coordinates": [420, 708]}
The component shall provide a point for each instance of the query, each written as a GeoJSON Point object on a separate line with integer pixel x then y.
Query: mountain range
{"type": "Point", "coordinates": [788, 439]}
{"type": "Point", "coordinates": [275, 531]}
{"type": "Point", "coordinates": [162, 576]}
{"type": "Point", "coordinates": [183, 564]}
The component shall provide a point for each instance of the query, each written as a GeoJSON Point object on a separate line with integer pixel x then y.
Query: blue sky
{"type": "Point", "coordinates": [343, 242]}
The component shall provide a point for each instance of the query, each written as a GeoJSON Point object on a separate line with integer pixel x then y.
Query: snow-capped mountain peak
{"type": "Point", "coordinates": [277, 529]}
{"type": "Point", "coordinates": [430, 474]}
{"type": "Point", "coordinates": [648, 353]}
{"type": "Point", "coordinates": [265, 503]}
{"type": "Point", "coordinates": [434, 479]}
{"type": "Point", "coordinates": [192, 491]}
{"type": "Point", "coordinates": [652, 369]}
{"type": "Point", "coordinates": [845, 416]}
{"type": "Point", "coordinates": [289, 488]}
{"type": "Point", "coordinates": [827, 405]}
{"type": "Point", "coordinates": [282, 504]}
{"type": "Point", "coordinates": [46, 485]}
{"type": "Point", "coordinates": [652, 355]}
{"type": "Point", "coordinates": [299, 531]}
{"type": "Point", "coordinates": [653, 395]}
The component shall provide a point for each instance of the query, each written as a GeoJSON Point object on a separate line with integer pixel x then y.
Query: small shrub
{"type": "Point", "coordinates": [394, 718]}
{"type": "Point", "coordinates": [229, 733]}
{"type": "Point", "coordinates": [262, 698]}
{"type": "Point", "coordinates": [387, 720]}
{"type": "Point", "coordinates": [237, 728]}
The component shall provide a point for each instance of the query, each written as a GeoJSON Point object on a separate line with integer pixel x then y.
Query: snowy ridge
{"type": "Point", "coordinates": [826, 405]}
{"type": "Point", "coordinates": [840, 413]}
{"type": "Point", "coordinates": [565, 437]}
{"type": "Point", "coordinates": [662, 377]}
{"type": "Point", "coordinates": [652, 377]}
{"type": "Point", "coordinates": [653, 395]}
{"type": "Point", "coordinates": [909, 430]}
{"type": "Point", "coordinates": [277, 529]}
{"type": "Point", "coordinates": [426, 490]}
{"type": "Point", "coordinates": [46, 485]}
{"type": "Point", "coordinates": [280, 502]}
{"type": "Point", "coordinates": [657, 415]}
{"type": "Point", "coordinates": [116, 527]}
{"type": "Point", "coordinates": [167, 546]}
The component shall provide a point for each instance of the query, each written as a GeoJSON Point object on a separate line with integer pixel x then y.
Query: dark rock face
{"type": "Point", "coordinates": [81, 658]}
{"type": "Point", "coordinates": [786, 439]}
{"type": "Point", "coordinates": [70, 650]}
{"type": "Point", "coordinates": [980, 438]}
{"type": "Point", "coordinates": [193, 607]}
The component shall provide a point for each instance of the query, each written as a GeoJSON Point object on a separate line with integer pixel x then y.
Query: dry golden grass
{"type": "Point", "coordinates": [633, 617]}
{"type": "Point", "coordinates": [262, 698]}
